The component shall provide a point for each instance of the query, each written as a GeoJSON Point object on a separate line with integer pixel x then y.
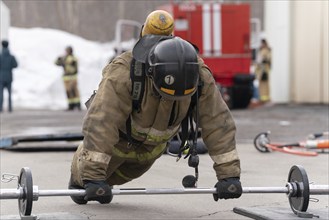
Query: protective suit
{"type": "Point", "coordinates": [70, 78]}
{"type": "Point", "coordinates": [263, 72]}
{"type": "Point", "coordinates": [105, 153]}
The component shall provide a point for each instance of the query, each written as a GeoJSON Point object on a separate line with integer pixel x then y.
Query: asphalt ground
{"type": "Point", "coordinates": [51, 168]}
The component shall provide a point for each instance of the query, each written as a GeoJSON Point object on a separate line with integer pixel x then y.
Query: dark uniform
{"type": "Point", "coordinates": [7, 64]}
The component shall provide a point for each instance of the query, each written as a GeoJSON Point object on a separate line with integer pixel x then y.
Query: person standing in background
{"type": "Point", "coordinates": [70, 78]}
{"type": "Point", "coordinates": [7, 64]}
{"type": "Point", "coordinates": [263, 68]}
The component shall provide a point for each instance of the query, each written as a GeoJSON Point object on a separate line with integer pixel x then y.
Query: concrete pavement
{"type": "Point", "coordinates": [51, 169]}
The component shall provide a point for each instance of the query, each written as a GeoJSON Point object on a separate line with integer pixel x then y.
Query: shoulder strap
{"type": "Point", "coordinates": [137, 76]}
{"type": "Point", "coordinates": [187, 133]}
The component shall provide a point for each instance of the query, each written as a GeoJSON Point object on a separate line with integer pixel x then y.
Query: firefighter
{"type": "Point", "coordinates": [263, 68]}
{"type": "Point", "coordinates": [115, 152]}
{"type": "Point", "coordinates": [70, 78]}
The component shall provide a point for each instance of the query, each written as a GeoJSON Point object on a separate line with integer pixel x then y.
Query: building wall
{"type": "Point", "coordinates": [325, 52]}
{"type": "Point", "coordinates": [4, 21]}
{"type": "Point", "coordinates": [298, 34]}
{"type": "Point", "coordinates": [310, 51]}
{"type": "Point", "coordinates": [278, 34]}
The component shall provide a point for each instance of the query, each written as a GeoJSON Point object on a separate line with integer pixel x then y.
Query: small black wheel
{"type": "Point", "coordinates": [189, 181]}
{"type": "Point", "coordinates": [260, 142]}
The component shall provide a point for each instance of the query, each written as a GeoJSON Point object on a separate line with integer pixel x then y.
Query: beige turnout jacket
{"type": "Point", "coordinates": [112, 105]}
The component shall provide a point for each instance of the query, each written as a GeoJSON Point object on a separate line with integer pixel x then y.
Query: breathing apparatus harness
{"type": "Point", "coordinates": [189, 130]}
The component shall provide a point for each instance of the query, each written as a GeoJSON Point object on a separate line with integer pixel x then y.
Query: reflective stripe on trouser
{"type": "Point", "coordinates": [124, 166]}
{"type": "Point", "coordinates": [264, 91]}
{"type": "Point", "coordinates": [71, 88]}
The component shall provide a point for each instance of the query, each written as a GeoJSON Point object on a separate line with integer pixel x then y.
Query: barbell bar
{"type": "Point", "coordinates": [297, 189]}
{"type": "Point", "coordinates": [17, 193]}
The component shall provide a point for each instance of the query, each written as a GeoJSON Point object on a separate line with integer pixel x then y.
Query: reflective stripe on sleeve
{"type": "Point", "coordinates": [95, 157]}
{"type": "Point", "coordinates": [226, 157]}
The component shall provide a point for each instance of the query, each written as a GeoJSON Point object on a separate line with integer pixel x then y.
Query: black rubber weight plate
{"type": "Point", "coordinates": [25, 181]}
{"type": "Point", "coordinates": [298, 175]}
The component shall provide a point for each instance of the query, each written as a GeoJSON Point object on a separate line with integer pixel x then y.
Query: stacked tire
{"type": "Point", "coordinates": [242, 91]}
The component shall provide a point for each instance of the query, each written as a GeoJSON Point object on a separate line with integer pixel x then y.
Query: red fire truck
{"type": "Point", "coordinates": [221, 31]}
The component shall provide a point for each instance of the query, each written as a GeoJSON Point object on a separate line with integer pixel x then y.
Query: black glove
{"type": "Point", "coordinates": [229, 188]}
{"type": "Point", "coordinates": [98, 191]}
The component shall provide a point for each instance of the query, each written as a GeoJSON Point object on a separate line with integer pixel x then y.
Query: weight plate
{"type": "Point", "coordinates": [260, 141]}
{"type": "Point", "coordinates": [25, 202]}
{"type": "Point", "coordinates": [299, 202]}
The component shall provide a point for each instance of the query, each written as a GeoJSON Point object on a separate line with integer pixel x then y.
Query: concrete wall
{"type": "Point", "coordinates": [277, 32]}
{"type": "Point", "coordinates": [4, 21]}
{"type": "Point", "coordinates": [298, 34]}
{"type": "Point", "coordinates": [325, 52]}
{"type": "Point", "coordinates": [310, 51]}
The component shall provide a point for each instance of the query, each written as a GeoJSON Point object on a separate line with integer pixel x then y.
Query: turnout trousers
{"type": "Point", "coordinates": [71, 88]}
{"type": "Point", "coordinates": [264, 91]}
{"type": "Point", "coordinates": [127, 162]}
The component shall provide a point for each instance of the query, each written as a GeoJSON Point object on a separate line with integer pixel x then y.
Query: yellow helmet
{"type": "Point", "coordinates": [158, 22]}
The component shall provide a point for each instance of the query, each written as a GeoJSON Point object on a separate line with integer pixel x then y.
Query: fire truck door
{"type": "Point", "coordinates": [188, 23]}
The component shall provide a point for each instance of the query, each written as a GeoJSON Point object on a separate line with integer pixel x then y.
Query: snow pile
{"type": "Point", "coordinates": [38, 81]}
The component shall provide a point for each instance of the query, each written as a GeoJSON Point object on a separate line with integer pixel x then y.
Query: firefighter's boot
{"type": "Point", "coordinates": [70, 107]}
{"type": "Point", "coordinates": [78, 106]}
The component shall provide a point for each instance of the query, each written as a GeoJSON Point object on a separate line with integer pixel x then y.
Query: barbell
{"type": "Point", "coordinates": [297, 189]}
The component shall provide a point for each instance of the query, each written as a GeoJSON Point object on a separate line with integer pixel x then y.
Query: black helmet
{"type": "Point", "coordinates": [175, 68]}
